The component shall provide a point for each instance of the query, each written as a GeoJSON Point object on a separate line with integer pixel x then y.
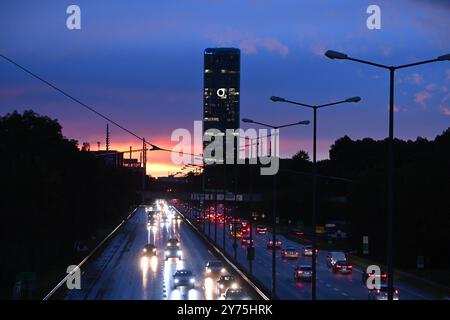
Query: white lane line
{"type": "Point", "coordinates": [336, 289]}
{"type": "Point", "coordinates": [344, 294]}
{"type": "Point", "coordinates": [328, 285]}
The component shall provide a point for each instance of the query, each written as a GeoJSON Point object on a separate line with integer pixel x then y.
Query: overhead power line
{"type": "Point", "coordinates": [71, 97]}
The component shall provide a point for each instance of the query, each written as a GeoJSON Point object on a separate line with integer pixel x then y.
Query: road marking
{"type": "Point", "coordinates": [328, 285]}
{"type": "Point", "coordinates": [336, 289]}
{"type": "Point", "coordinates": [344, 294]}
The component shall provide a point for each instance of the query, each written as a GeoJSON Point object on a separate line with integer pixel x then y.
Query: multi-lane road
{"type": "Point", "coordinates": [330, 286]}
{"type": "Point", "coordinates": [120, 271]}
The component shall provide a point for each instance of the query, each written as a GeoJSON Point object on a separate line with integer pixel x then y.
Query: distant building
{"type": "Point", "coordinates": [221, 95]}
{"type": "Point", "coordinates": [131, 163]}
{"type": "Point", "coordinates": [112, 158]}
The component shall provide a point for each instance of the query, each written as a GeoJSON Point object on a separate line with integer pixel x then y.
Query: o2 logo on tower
{"type": "Point", "coordinates": [222, 93]}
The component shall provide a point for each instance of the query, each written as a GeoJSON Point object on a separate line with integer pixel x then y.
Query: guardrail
{"type": "Point", "coordinates": [224, 257]}
{"type": "Point", "coordinates": [90, 255]}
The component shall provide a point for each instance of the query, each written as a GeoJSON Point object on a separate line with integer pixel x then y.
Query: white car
{"type": "Point", "coordinates": [183, 278]}
{"type": "Point", "coordinates": [215, 268]}
{"type": "Point", "coordinates": [172, 252]}
{"type": "Point", "coordinates": [236, 294]}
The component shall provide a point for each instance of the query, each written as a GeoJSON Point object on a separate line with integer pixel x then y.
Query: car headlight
{"type": "Point", "coordinates": [208, 270]}
{"type": "Point", "coordinates": [221, 286]}
{"type": "Point", "coordinates": [234, 285]}
{"type": "Point", "coordinates": [179, 252]}
{"type": "Point", "coordinates": [154, 249]}
{"type": "Point", "coordinates": [223, 270]}
{"type": "Point", "coordinates": [167, 252]}
{"type": "Point", "coordinates": [176, 280]}
{"type": "Point", "coordinates": [192, 280]}
{"type": "Point", "coordinates": [145, 250]}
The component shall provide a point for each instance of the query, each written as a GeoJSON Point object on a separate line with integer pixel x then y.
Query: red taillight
{"type": "Point", "coordinates": [350, 267]}
{"type": "Point", "coordinates": [300, 272]}
{"type": "Point", "coordinates": [338, 266]}
{"type": "Point", "coordinates": [378, 290]}
{"type": "Point", "coordinates": [396, 291]}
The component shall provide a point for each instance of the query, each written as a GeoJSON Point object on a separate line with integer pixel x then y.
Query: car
{"type": "Point", "coordinates": [235, 294]}
{"type": "Point", "coordinates": [382, 276]}
{"type": "Point", "coordinates": [183, 278]}
{"type": "Point", "coordinates": [334, 256]}
{"type": "Point", "coordinates": [382, 293]}
{"type": "Point", "coordinates": [278, 244]}
{"type": "Point", "coordinates": [238, 234]}
{"type": "Point", "coordinates": [246, 241]}
{"type": "Point", "coordinates": [289, 253]}
{"type": "Point", "coordinates": [176, 216]}
{"type": "Point", "coordinates": [199, 220]}
{"type": "Point", "coordinates": [307, 251]}
{"type": "Point", "coordinates": [152, 222]}
{"type": "Point", "coordinates": [342, 266]}
{"type": "Point", "coordinates": [149, 250]}
{"type": "Point", "coordinates": [172, 252]}
{"type": "Point", "coordinates": [296, 232]}
{"type": "Point", "coordinates": [303, 273]}
{"type": "Point", "coordinates": [225, 282]}
{"type": "Point", "coordinates": [173, 242]}
{"type": "Point", "coordinates": [214, 268]}
{"type": "Point", "coordinates": [261, 229]}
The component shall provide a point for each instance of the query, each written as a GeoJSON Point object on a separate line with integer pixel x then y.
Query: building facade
{"type": "Point", "coordinates": [221, 95]}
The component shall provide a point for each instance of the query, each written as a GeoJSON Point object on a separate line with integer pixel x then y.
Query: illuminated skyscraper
{"type": "Point", "coordinates": [221, 89]}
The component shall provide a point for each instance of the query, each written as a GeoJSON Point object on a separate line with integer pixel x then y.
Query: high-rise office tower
{"type": "Point", "coordinates": [221, 89]}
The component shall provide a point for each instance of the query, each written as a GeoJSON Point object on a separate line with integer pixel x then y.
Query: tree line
{"type": "Point", "coordinates": [53, 195]}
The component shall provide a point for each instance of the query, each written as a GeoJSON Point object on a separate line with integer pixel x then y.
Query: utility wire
{"type": "Point", "coordinates": [71, 97]}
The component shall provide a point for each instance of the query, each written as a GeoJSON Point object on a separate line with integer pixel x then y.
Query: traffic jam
{"type": "Point", "coordinates": [214, 282]}
{"type": "Point", "coordinates": [240, 232]}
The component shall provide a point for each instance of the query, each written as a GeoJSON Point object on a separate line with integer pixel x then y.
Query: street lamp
{"type": "Point", "coordinates": [390, 206]}
{"type": "Point", "coordinates": [274, 200]}
{"type": "Point", "coordinates": [314, 184]}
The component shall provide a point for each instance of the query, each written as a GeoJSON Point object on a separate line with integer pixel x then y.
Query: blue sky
{"type": "Point", "coordinates": [140, 62]}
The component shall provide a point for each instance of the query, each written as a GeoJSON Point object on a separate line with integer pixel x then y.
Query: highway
{"type": "Point", "coordinates": [330, 286]}
{"type": "Point", "coordinates": [119, 271]}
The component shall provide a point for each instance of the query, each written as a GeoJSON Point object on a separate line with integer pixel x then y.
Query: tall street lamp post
{"type": "Point", "coordinates": [274, 199]}
{"type": "Point", "coordinates": [314, 184]}
{"type": "Point", "coordinates": [390, 200]}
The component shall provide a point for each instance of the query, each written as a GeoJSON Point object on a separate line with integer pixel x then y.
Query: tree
{"type": "Point", "coordinates": [301, 156]}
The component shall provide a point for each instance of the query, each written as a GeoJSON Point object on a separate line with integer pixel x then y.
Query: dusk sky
{"type": "Point", "coordinates": [141, 63]}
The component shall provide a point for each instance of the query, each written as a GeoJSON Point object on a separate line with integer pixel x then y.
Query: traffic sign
{"type": "Point", "coordinates": [365, 244]}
